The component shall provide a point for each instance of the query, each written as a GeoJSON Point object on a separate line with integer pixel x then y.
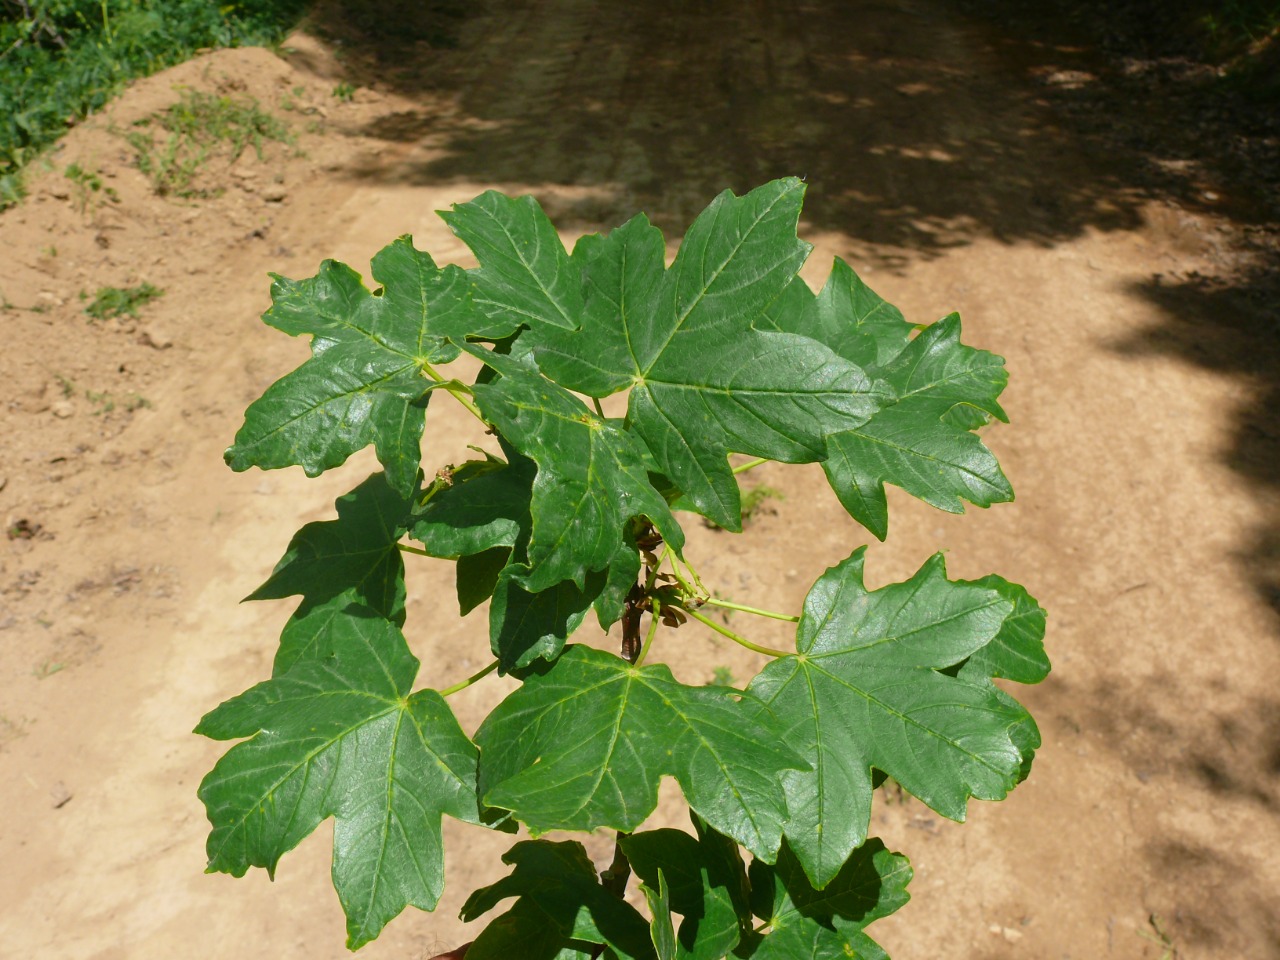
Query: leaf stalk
{"type": "Point", "coordinates": [463, 684]}
{"type": "Point", "coordinates": [743, 608]}
{"type": "Point", "coordinates": [726, 632]}
{"type": "Point", "coordinates": [457, 390]}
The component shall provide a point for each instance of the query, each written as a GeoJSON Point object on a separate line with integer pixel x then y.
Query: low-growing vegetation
{"type": "Point", "coordinates": [111, 302]}
{"type": "Point", "coordinates": [173, 146]}
{"type": "Point", "coordinates": [62, 60]}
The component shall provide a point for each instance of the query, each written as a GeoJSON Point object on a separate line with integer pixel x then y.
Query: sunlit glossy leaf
{"type": "Point", "coordinates": [339, 735]}
{"type": "Point", "coordinates": [704, 380]}
{"type": "Point", "coordinates": [364, 383]}
{"type": "Point", "coordinates": [584, 742]}
{"type": "Point", "coordinates": [866, 690]}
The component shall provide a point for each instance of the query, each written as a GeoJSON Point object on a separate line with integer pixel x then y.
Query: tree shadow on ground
{"type": "Point", "coordinates": [920, 126]}
{"type": "Point", "coordinates": [901, 118]}
{"type": "Point", "coordinates": [1229, 325]}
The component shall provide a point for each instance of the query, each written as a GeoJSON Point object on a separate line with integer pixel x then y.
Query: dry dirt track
{"type": "Point", "coordinates": [1140, 450]}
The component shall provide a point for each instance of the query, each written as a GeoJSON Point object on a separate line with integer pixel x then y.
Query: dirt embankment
{"type": "Point", "coordinates": [944, 164]}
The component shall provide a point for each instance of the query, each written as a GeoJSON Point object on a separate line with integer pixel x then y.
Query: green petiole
{"type": "Point", "coordinates": [726, 632]}
{"type": "Point", "coordinates": [463, 684]}
{"type": "Point", "coordinates": [729, 605]}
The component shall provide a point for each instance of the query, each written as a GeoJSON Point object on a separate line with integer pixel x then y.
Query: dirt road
{"type": "Point", "coordinates": [943, 164]}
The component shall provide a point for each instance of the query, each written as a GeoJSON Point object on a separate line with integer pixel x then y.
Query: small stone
{"type": "Point", "coordinates": [274, 193]}
{"type": "Point", "coordinates": [63, 409]}
{"type": "Point", "coordinates": [1011, 935]}
{"type": "Point", "coordinates": [1210, 196]}
{"type": "Point", "coordinates": [157, 338]}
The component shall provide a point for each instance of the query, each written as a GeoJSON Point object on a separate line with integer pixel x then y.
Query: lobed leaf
{"type": "Point", "coordinates": [340, 735]}
{"type": "Point", "coordinates": [847, 316]}
{"type": "Point", "coordinates": [919, 443]}
{"type": "Point", "coordinates": [363, 383]}
{"type": "Point", "coordinates": [704, 380]}
{"type": "Point", "coordinates": [584, 742]}
{"type": "Point", "coordinates": [525, 276]}
{"type": "Point", "coordinates": [867, 691]}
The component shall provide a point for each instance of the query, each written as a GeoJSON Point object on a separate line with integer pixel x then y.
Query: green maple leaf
{"type": "Point", "coordinates": [341, 736]}
{"type": "Point", "coordinates": [827, 924]}
{"type": "Point", "coordinates": [525, 626]}
{"type": "Point", "coordinates": [921, 441]}
{"type": "Point", "coordinates": [338, 565]}
{"type": "Point", "coordinates": [560, 900]}
{"type": "Point", "coordinates": [867, 691]}
{"type": "Point", "coordinates": [707, 886]}
{"type": "Point", "coordinates": [591, 479]}
{"type": "Point", "coordinates": [364, 381]}
{"type": "Point", "coordinates": [704, 381]}
{"type": "Point", "coordinates": [584, 742]}
{"type": "Point", "coordinates": [1017, 651]}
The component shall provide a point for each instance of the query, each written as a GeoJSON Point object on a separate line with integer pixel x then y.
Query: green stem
{"type": "Point", "coordinates": [599, 409]}
{"type": "Point", "coordinates": [405, 548]}
{"type": "Point", "coordinates": [749, 465]}
{"type": "Point", "coordinates": [726, 632]}
{"type": "Point", "coordinates": [654, 615]}
{"type": "Point", "coordinates": [668, 553]}
{"type": "Point", "coordinates": [456, 391]}
{"type": "Point", "coordinates": [463, 684]}
{"type": "Point", "coordinates": [729, 605]}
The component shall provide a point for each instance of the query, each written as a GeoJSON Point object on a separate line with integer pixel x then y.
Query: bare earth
{"type": "Point", "coordinates": [942, 163]}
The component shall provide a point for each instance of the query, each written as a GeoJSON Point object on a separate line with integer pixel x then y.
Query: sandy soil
{"type": "Point", "coordinates": [944, 164]}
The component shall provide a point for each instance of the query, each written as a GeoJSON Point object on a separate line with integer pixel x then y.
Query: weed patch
{"type": "Point", "coordinates": [111, 302]}
{"type": "Point", "coordinates": [173, 146]}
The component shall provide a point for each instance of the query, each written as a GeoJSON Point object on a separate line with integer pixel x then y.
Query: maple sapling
{"type": "Point", "coordinates": [571, 514]}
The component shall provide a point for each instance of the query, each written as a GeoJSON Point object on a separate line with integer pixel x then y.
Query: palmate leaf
{"type": "Point", "coordinates": [338, 565]}
{"type": "Point", "coordinates": [707, 882]}
{"type": "Point", "coordinates": [340, 736]}
{"type": "Point", "coordinates": [867, 691]}
{"type": "Point", "coordinates": [560, 902]}
{"type": "Point", "coordinates": [827, 924]}
{"type": "Point", "coordinates": [704, 381]}
{"type": "Point", "coordinates": [584, 742]}
{"type": "Point", "coordinates": [921, 443]}
{"type": "Point", "coordinates": [363, 384]}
